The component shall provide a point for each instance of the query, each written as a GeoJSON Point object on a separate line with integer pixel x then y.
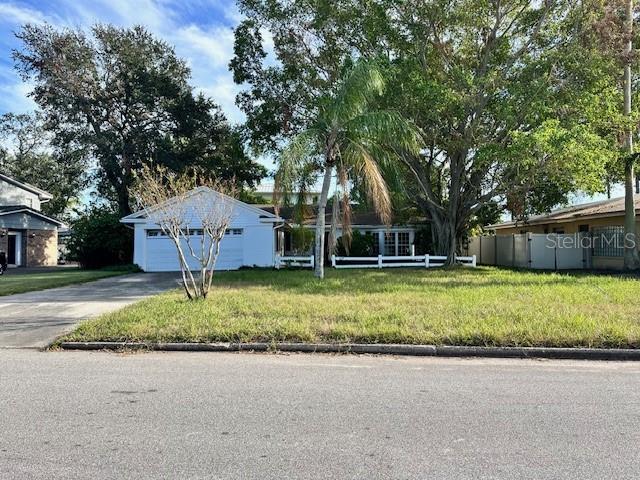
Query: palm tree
{"type": "Point", "coordinates": [351, 139]}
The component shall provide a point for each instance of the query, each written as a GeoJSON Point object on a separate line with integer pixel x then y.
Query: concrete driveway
{"type": "Point", "coordinates": [35, 319]}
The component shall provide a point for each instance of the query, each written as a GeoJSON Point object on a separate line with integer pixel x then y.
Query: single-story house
{"type": "Point", "coordinates": [28, 238]}
{"type": "Point", "coordinates": [602, 220]}
{"type": "Point", "coordinates": [256, 234]}
{"type": "Point", "coordinates": [392, 240]}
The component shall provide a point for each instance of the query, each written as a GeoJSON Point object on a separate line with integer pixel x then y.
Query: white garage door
{"type": "Point", "coordinates": [163, 257]}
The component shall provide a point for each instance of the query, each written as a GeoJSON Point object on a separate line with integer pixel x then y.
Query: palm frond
{"type": "Point", "coordinates": [360, 87]}
{"type": "Point", "coordinates": [385, 128]}
{"type": "Point", "coordinates": [366, 168]}
{"type": "Point", "coordinates": [294, 166]}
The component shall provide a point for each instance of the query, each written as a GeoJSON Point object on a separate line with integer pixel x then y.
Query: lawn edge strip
{"type": "Point", "coordinates": [384, 349]}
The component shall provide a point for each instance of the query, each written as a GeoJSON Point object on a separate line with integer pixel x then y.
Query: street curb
{"type": "Point", "coordinates": [384, 349]}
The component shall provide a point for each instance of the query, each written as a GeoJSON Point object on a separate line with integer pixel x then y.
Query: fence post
{"type": "Point", "coordinates": [333, 261]}
{"type": "Point", "coordinates": [313, 261]}
{"type": "Point", "coordinates": [379, 261]}
{"type": "Point", "coordinates": [413, 250]}
{"type": "Point", "coordinates": [473, 261]}
{"type": "Point", "coordinates": [277, 262]}
{"type": "Point", "coordinates": [426, 261]}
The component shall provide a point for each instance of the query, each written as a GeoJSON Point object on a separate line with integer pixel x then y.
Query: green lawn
{"type": "Point", "coordinates": [12, 282]}
{"type": "Point", "coordinates": [483, 306]}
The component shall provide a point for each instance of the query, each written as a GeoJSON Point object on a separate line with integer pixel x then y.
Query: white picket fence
{"type": "Point", "coordinates": [383, 261]}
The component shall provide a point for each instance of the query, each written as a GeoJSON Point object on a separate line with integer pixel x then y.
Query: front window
{"type": "Point", "coordinates": [397, 244]}
{"type": "Point", "coordinates": [390, 243]}
{"type": "Point", "coordinates": [608, 241]}
{"type": "Point", "coordinates": [403, 243]}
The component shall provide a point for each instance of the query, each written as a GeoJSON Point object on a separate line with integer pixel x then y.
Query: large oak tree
{"type": "Point", "coordinates": [514, 101]}
{"type": "Point", "coordinates": [125, 95]}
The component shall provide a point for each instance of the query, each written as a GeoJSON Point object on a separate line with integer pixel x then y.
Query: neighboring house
{"type": "Point", "coordinates": [27, 236]}
{"type": "Point", "coordinates": [266, 191]}
{"type": "Point", "coordinates": [254, 237]}
{"type": "Point", "coordinates": [602, 221]}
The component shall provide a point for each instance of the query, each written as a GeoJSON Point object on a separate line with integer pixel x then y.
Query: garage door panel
{"type": "Point", "coordinates": [162, 255]}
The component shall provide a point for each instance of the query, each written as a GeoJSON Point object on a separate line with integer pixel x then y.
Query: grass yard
{"type": "Point", "coordinates": [13, 282]}
{"type": "Point", "coordinates": [483, 306]}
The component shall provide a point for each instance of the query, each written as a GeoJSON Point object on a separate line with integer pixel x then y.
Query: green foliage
{"type": "Point", "coordinates": [478, 78]}
{"type": "Point", "coordinates": [42, 280]}
{"type": "Point", "coordinates": [125, 96]}
{"type": "Point", "coordinates": [360, 245]}
{"type": "Point", "coordinates": [30, 156]}
{"type": "Point", "coordinates": [550, 161]}
{"type": "Point", "coordinates": [423, 240]}
{"type": "Point", "coordinates": [99, 240]}
{"type": "Point", "coordinates": [301, 239]}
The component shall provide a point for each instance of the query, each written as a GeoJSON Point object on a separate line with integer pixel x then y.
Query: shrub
{"type": "Point", "coordinates": [98, 239]}
{"type": "Point", "coordinates": [362, 245]}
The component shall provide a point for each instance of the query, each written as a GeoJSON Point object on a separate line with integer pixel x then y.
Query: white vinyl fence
{"type": "Point", "coordinates": [381, 261]}
{"type": "Point", "coordinates": [533, 250]}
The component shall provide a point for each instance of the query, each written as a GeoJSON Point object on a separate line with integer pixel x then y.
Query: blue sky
{"type": "Point", "coordinates": [200, 30]}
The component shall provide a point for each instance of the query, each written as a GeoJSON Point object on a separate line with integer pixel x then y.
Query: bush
{"type": "Point", "coordinates": [98, 239]}
{"type": "Point", "coordinates": [362, 245]}
{"type": "Point", "coordinates": [302, 240]}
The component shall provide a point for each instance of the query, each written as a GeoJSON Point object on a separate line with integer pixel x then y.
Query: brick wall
{"type": "Point", "coordinates": [42, 248]}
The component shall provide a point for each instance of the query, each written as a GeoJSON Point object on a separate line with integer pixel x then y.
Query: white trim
{"type": "Point", "coordinates": [43, 195]}
{"type": "Point", "coordinates": [142, 213]}
{"type": "Point", "coordinates": [34, 213]}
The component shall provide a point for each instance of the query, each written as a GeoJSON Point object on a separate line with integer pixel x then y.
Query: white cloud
{"type": "Point", "coordinates": [207, 46]}
{"type": "Point", "coordinates": [214, 46]}
{"type": "Point", "coordinates": [14, 14]}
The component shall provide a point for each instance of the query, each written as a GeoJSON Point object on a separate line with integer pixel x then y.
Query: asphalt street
{"type": "Point", "coordinates": [262, 416]}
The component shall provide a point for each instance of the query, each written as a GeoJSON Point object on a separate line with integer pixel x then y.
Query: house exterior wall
{"type": "Point", "coordinates": [572, 227]}
{"type": "Point", "coordinates": [13, 195]}
{"type": "Point", "coordinates": [255, 246]}
{"type": "Point", "coordinates": [41, 248]}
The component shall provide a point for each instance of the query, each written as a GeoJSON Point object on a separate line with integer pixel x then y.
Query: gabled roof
{"type": "Point", "coordinates": [42, 195]}
{"type": "Point", "coordinates": [613, 207]}
{"type": "Point", "coordinates": [11, 209]}
{"type": "Point", "coordinates": [142, 214]}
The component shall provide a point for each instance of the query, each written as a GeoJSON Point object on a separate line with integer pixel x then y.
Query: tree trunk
{"type": "Point", "coordinates": [631, 259]}
{"type": "Point", "coordinates": [320, 222]}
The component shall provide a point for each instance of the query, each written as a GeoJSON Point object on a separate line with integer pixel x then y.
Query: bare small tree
{"type": "Point", "coordinates": [194, 212]}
